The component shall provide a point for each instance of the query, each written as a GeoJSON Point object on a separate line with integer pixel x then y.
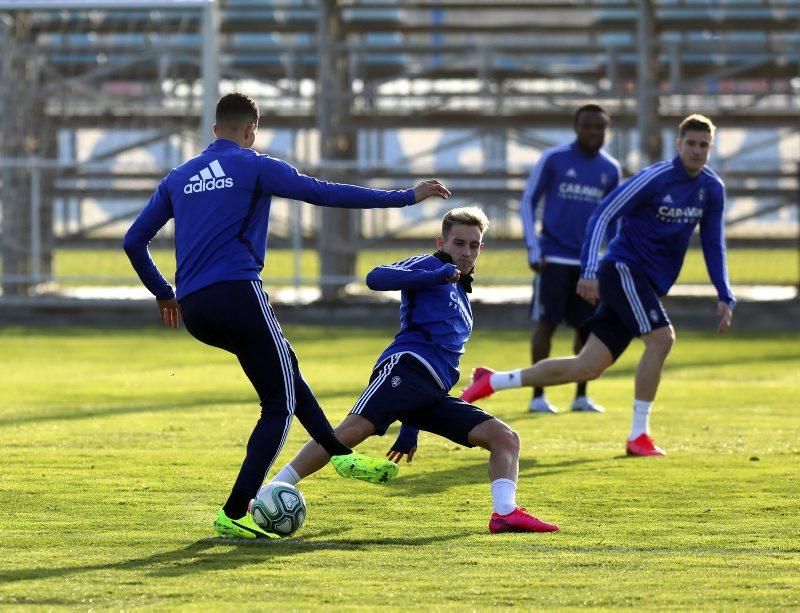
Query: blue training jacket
{"type": "Point", "coordinates": [435, 316]}
{"type": "Point", "coordinates": [659, 208]}
{"type": "Point", "coordinates": [573, 182]}
{"type": "Point", "coordinates": [220, 201]}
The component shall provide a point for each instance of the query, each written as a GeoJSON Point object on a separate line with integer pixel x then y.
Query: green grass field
{"type": "Point", "coordinates": [746, 266]}
{"type": "Point", "coordinates": [119, 446]}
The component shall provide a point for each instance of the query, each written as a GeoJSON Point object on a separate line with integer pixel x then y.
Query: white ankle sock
{"type": "Point", "coordinates": [288, 475]}
{"type": "Point", "coordinates": [506, 380]}
{"type": "Point", "coordinates": [504, 496]}
{"type": "Point", "coordinates": [641, 418]}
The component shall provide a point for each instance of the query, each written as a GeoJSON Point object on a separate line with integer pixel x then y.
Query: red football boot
{"type": "Point", "coordinates": [643, 445]}
{"type": "Point", "coordinates": [519, 521]}
{"type": "Point", "coordinates": [480, 387]}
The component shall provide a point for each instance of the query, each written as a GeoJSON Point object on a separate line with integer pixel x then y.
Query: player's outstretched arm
{"type": "Point", "coordinates": [406, 275]}
{"type": "Point", "coordinates": [430, 188]}
{"type": "Point", "coordinates": [725, 317]}
{"type": "Point", "coordinates": [281, 179]}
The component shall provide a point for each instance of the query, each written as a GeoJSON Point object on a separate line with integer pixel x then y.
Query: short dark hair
{"type": "Point", "coordinates": [697, 122]}
{"type": "Point", "coordinates": [235, 109]}
{"type": "Point", "coordinates": [589, 108]}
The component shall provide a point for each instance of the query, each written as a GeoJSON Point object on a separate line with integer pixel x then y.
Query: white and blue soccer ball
{"type": "Point", "coordinates": [279, 508]}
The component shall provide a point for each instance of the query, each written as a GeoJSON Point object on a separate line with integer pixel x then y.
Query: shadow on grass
{"type": "Point", "coordinates": [90, 413]}
{"type": "Point", "coordinates": [248, 399]}
{"type": "Point", "coordinates": [217, 553]}
{"type": "Point", "coordinates": [430, 482]}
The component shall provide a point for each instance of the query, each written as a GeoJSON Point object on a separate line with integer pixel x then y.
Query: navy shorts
{"type": "Point", "coordinates": [554, 297]}
{"type": "Point", "coordinates": [629, 307]}
{"type": "Point", "coordinates": [402, 388]}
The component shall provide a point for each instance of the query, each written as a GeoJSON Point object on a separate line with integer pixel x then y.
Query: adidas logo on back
{"type": "Point", "coordinates": [667, 199]}
{"type": "Point", "coordinates": [571, 173]}
{"type": "Point", "coordinates": [209, 178]}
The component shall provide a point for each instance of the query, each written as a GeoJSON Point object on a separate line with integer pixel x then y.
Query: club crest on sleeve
{"type": "Point", "coordinates": [396, 381]}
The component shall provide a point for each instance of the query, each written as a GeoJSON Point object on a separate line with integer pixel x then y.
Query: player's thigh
{"type": "Point", "coordinates": [606, 328]}
{"type": "Point", "coordinates": [627, 291]}
{"type": "Point", "coordinates": [578, 310]}
{"type": "Point", "coordinates": [451, 418]}
{"type": "Point", "coordinates": [263, 352]}
{"type": "Point", "coordinates": [203, 314]}
{"type": "Point", "coordinates": [629, 308]}
{"type": "Point", "coordinates": [398, 387]}
{"type": "Point", "coordinates": [552, 292]}
{"type": "Point", "coordinates": [354, 429]}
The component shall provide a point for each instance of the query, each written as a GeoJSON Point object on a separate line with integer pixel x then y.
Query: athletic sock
{"type": "Point", "coordinates": [641, 418]}
{"type": "Point", "coordinates": [506, 380]}
{"type": "Point", "coordinates": [236, 506]}
{"type": "Point", "coordinates": [504, 496]}
{"type": "Point", "coordinates": [288, 475]}
{"type": "Point", "coordinates": [538, 392]}
{"type": "Point", "coordinates": [332, 445]}
{"type": "Point", "coordinates": [580, 390]}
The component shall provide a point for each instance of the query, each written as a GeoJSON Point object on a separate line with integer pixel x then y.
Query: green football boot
{"type": "Point", "coordinates": [364, 468]}
{"type": "Point", "coordinates": [244, 528]}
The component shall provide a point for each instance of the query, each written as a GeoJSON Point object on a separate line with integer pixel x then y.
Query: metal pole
{"type": "Point", "coordinates": [210, 69]}
{"type": "Point", "coordinates": [647, 67]}
{"type": "Point", "coordinates": [675, 71]}
{"type": "Point", "coordinates": [36, 231]}
{"type": "Point", "coordinates": [339, 229]}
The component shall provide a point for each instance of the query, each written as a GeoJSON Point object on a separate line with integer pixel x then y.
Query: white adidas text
{"type": "Point", "coordinates": [209, 178]}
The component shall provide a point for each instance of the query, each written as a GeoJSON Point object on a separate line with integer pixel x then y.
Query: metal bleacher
{"type": "Point", "coordinates": [355, 71]}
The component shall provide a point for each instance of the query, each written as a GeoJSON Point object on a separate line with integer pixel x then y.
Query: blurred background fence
{"type": "Point", "coordinates": [99, 99]}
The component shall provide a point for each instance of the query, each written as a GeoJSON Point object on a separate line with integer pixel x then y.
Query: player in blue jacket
{"type": "Point", "coordinates": [412, 378]}
{"type": "Point", "coordinates": [659, 207]}
{"type": "Point", "coordinates": [220, 201]}
{"type": "Point", "coordinates": [571, 180]}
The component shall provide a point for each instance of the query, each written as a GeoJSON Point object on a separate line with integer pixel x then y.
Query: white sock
{"type": "Point", "coordinates": [504, 496]}
{"type": "Point", "coordinates": [641, 418]}
{"type": "Point", "coordinates": [506, 380]}
{"type": "Point", "coordinates": [288, 475]}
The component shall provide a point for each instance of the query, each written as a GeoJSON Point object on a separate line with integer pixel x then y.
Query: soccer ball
{"type": "Point", "coordinates": [279, 508]}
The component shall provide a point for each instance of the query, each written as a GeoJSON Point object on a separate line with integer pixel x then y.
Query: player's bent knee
{"type": "Point", "coordinates": [661, 340]}
{"type": "Point", "coordinates": [493, 434]}
{"type": "Point", "coordinates": [509, 439]}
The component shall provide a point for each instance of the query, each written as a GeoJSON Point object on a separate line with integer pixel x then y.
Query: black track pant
{"type": "Point", "coordinates": [236, 316]}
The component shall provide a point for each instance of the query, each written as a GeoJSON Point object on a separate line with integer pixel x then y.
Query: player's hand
{"type": "Point", "coordinates": [170, 312]}
{"type": "Point", "coordinates": [589, 290]}
{"type": "Point", "coordinates": [430, 188]}
{"type": "Point", "coordinates": [395, 455]}
{"type": "Point", "coordinates": [725, 317]}
{"type": "Point", "coordinates": [455, 276]}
